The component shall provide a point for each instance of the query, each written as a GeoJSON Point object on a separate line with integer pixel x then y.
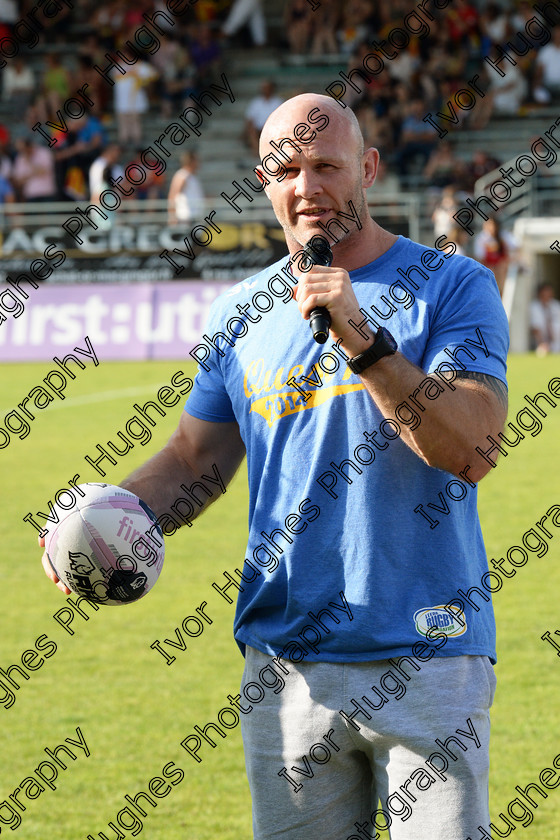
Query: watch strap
{"type": "Point", "coordinates": [383, 345]}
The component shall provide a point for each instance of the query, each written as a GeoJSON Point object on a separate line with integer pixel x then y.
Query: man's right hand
{"type": "Point", "coordinates": [191, 450]}
{"type": "Point", "coordinates": [49, 570]}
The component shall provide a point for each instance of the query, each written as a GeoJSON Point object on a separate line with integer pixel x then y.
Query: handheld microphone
{"type": "Point", "coordinates": [318, 251]}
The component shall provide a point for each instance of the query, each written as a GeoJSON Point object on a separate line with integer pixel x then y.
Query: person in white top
{"type": "Point", "coordinates": [248, 12]}
{"type": "Point", "coordinates": [258, 111]}
{"type": "Point", "coordinates": [547, 80]}
{"type": "Point", "coordinates": [545, 321]}
{"type": "Point", "coordinates": [131, 100]}
{"type": "Point", "coordinates": [185, 201]}
{"type": "Point", "coordinates": [508, 91]}
{"type": "Point", "coordinates": [18, 84]}
{"type": "Point", "coordinates": [102, 169]}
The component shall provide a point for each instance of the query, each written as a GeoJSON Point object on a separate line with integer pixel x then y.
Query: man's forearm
{"type": "Point", "coordinates": [204, 454]}
{"type": "Point", "coordinates": [452, 423]}
{"type": "Point", "coordinates": [157, 482]}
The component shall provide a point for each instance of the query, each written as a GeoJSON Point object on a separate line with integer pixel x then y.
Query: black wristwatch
{"type": "Point", "coordinates": [383, 345]}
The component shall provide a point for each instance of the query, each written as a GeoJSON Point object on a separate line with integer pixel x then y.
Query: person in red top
{"type": "Point", "coordinates": [462, 21]}
{"type": "Point", "coordinates": [494, 248]}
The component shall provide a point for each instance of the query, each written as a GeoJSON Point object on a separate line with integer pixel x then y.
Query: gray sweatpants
{"type": "Point", "coordinates": [410, 751]}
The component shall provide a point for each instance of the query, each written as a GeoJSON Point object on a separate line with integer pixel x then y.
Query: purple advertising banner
{"type": "Point", "coordinates": [140, 321]}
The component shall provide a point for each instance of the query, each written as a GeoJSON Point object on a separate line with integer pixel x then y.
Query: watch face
{"type": "Point", "coordinates": [389, 339]}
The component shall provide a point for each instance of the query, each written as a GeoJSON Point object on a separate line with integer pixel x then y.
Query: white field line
{"type": "Point", "coordinates": [103, 396]}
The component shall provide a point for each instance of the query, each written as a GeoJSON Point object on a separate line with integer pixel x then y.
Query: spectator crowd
{"type": "Point", "coordinates": [419, 78]}
{"type": "Point", "coordinates": [423, 77]}
{"type": "Point", "coordinates": [35, 85]}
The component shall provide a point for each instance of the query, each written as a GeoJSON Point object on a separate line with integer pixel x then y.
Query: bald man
{"type": "Point", "coordinates": [361, 588]}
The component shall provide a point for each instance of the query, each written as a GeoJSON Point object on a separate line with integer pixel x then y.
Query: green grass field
{"type": "Point", "coordinates": [133, 709]}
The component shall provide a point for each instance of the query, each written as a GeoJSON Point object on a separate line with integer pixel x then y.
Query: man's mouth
{"type": "Point", "coordinates": [314, 212]}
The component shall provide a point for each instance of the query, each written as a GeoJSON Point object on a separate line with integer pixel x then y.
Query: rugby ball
{"type": "Point", "coordinates": [108, 547]}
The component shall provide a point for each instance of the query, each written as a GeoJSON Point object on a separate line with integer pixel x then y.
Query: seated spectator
{"type": "Point", "coordinates": [427, 87]}
{"type": "Point", "coordinates": [404, 66]}
{"type": "Point", "coordinates": [324, 26]}
{"type": "Point", "coordinates": [152, 187]}
{"type": "Point", "coordinates": [185, 201]}
{"type": "Point", "coordinates": [377, 130]}
{"type": "Point", "coordinates": [480, 165]}
{"type": "Point", "coordinates": [6, 162]}
{"type": "Point", "coordinates": [352, 97]}
{"type": "Point", "coordinates": [206, 54]}
{"type": "Point", "coordinates": [257, 113]}
{"type": "Point", "coordinates": [92, 136]}
{"type": "Point", "coordinates": [461, 21]}
{"type": "Point", "coordinates": [545, 321]}
{"type": "Point", "coordinates": [495, 248]}
{"type": "Point", "coordinates": [7, 195]}
{"type": "Point", "coordinates": [547, 77]}
{"type": "Point", "coordinates": [519, 16]}
{"type": "Point", "coordinates": [354, 27]}
{"type": "Point", "coordinates": [207, 11]}
{"type": "Point", "coordinates": [381, 93]}
{"type": "Point", "coordinates": [443, 168]}
{"type": "Point", "coordinates": [74, 152]}
{"type": "Point", "coordinates": [417, 138]}
{"type": "Point", "coordinates": [250, 13]}
{"type": "Point", "coordinates": [508, 92]}
{"type": "Point", "coordinates": [4, 137]}
{"type": "Point", "coordinates": [131, 100]}
{"type": "Point", "coordinates": [494, 26]}
{"type": "Point", "coordinates": [33, 172]}
{"type": "Point", "coordinates": [97, 88]}
{"type": "Point", "coordinates": [298, 23]}
{"type": "Point", "coordinates": [108, 22]}
{"type": "Point", "coordinates": [56, 84]}
{"type": "Point", "coordinates": [92, 49]}
{"type": "Point", "coordinates": [178, 76]}
{"type": "Point", "coordinates": [396, 101]}
{"type": "Point", "coordinates": [18, 85]}
{"type": "Point", "coordinates": [132, 17]}
{"type": "Point", "coordinates": [446, 61]}
{"type": "Point", "coordinates": [504, 96]}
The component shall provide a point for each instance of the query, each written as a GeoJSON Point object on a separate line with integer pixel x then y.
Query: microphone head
{"type": "Point", "coordinates": [318, 251]}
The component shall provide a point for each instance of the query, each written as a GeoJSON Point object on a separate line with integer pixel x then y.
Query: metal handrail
{"type": "Point", "coordinates": [405, 206]}
{"type": "Point", "coordinates": [510, 286]}
{"type": "Point", "coordinates": [525, 198]}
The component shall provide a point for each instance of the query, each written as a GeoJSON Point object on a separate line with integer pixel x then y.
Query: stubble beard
{"type": "Point", "coordinates": [360, 206]}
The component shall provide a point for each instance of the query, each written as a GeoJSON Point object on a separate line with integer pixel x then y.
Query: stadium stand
{"type": "Point", "coordinates": [458, 42]}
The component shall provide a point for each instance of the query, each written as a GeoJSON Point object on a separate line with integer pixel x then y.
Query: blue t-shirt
{"type": "Point", "coordinates": [395, 570]}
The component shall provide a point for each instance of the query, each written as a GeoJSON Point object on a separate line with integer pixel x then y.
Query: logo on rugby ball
{"type": "Point", "coordinates": [441, 619]}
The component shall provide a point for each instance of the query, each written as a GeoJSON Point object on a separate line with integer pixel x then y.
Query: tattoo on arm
{"type": "Point", "coordinates": [491, 382]}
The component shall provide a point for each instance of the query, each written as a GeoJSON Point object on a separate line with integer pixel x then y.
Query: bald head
{"type": "Point", "coordinates": [296, 110]}
{"type": "Point", "coordinates": [314, 168]}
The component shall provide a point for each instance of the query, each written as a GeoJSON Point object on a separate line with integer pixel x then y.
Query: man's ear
{"type": "Point", "coordinates": [259, 171]}
{"type": "Point", "coordinates": [370, 164]}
